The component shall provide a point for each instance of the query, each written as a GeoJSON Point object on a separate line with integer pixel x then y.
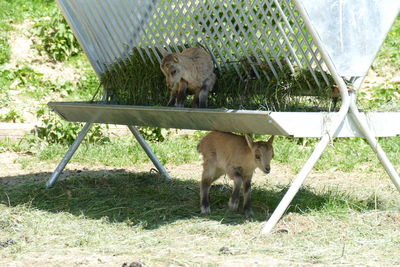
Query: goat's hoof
{"type": "Point", "coordinates": [249, 213]}
{"type": "Point", "coordinates": [205, 210]}
{"type": "Point", "coordinates": [233, 206]}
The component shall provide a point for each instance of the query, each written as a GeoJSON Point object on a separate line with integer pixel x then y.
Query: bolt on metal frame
{"type": "Point", "coordinates": [278, 32]}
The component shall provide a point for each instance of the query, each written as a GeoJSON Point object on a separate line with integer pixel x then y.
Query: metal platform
{"type": "Point", "coordinates": [295, 124]}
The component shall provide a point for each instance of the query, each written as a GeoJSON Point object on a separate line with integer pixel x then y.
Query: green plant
{"type": "Point", "coordinates": [55, 37]}
{"type": "Point", "coordinates": [154, 134]}
{"type": "Point", "coordinates": [11, 116]}
{"type": "Point", "coordinates": [388, 59]}
{"type": "Point", "coordinates": [59, 131]}
{"type": "Point", "coordinates": [27, 80]}
{"type": "Point", "coordinates": [385, 97]}
{"type": "Point", "coordinates": [4, 48]}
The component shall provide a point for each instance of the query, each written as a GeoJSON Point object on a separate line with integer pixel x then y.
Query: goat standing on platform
{"type": "Point", "coordinates": [238, 157]}
{"type": "Point", "coordinates": [189, 72]}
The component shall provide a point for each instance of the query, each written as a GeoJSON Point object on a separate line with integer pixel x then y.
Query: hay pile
{"type": "Point", "coordinates": [135, 81]}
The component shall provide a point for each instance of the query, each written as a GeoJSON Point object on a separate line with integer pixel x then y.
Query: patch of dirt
{"type": "Point", "coordinates": [294, 223]}
{"type": "Point", "coordinates": [22, 53]}
{"type": "Point", "coordinates": [66, 257]}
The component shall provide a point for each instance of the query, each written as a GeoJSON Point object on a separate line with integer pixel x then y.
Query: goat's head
{"type": "Point", "coordinates": [263, 152]}
{"type": "Point", "coordinates": [171, 68]}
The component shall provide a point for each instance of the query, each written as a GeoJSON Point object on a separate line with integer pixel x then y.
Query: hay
{"type": "Point", "coordinates": [138, 81]}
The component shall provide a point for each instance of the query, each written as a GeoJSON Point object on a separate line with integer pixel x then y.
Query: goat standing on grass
{"type": "Point", "coordinates": [238, 157]}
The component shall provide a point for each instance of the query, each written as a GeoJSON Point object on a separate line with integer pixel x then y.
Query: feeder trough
{"type": "Point", "coordinates": [284, 67]}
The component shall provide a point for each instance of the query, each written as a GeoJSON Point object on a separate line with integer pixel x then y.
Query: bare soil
{"type": "Point", "coordinates": [22, 53]}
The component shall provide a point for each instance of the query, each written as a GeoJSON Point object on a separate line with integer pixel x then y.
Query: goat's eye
{"type": "Point", "coordinates": [258, 157]}
{"type": "Point", "coordinates": [173, 72]}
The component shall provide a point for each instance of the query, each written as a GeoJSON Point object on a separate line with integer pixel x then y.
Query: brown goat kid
{"type": "Point", "coordinates": [238, 157]}
{"type": "Point", "coordinates": [188, 72]}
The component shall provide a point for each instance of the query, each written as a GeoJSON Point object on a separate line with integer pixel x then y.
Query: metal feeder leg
{"type": "Point", "coordinates": [149, 152]}
{"type": "Point", "coordinates": [319, 149]}
{"type": "Point", "coordinates": [294, 188]}
{"type": "Point", "coordinates": [68, 155]}
{"type": "Point", "coordinates": [375, 145]}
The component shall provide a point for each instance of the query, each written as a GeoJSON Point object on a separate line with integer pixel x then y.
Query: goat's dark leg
{"type": "Point", "coordinates": [209, 175]}
{"type": "Point", "coordinates": [204, 195]}
{"type": "Point", "coordinates": [195, 103]}
{"type": "Point", "coordinates": [236, 175]}
{"type": "Point", "coordinates": [205, 89]}
{"type": "Point", "coordinates": [247, 198]}
{"type": "Point", "coordinates": [174, 92]}
{"type": "Point", "coordinates": [171, 101]}
{"type": "Point", "coordinates": [181, 96]}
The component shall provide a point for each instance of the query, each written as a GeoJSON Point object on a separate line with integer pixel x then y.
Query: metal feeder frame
{"type": "Point", "coordinates": [342, 37]}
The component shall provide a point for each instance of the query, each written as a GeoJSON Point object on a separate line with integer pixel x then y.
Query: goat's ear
{"type": "Point", "coordinates": [271, 139]}
{"type": "Point", "coordinates": [249, 140]}
{"type": "Point", "coordinates": [175, 57]}
{"type": "Point", "coordinates": [163, 52]}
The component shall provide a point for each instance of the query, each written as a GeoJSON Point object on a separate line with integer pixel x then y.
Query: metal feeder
{"type": "Point", "coordinates": [335, 37]}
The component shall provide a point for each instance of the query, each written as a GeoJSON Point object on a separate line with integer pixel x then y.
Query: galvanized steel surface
{"type": "Point", "coordinates": [265, 32]}
{"type": "Point", "coordinates": [352, 31]}
{"type": "Point", "coordinates": [296, 124]}
{"type": "Point", "coordinates": [184, 118]}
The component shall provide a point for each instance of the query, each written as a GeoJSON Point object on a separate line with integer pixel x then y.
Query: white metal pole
{"type": "Point", "coordinates": [294, 188]}
{"type": "Point", "coordinates": [149, 152]}
{"type": "Point", "coordinates": [374, 143]}
{"type": "Point", "coordinates": [320, 147]}
{"type": "Point", "coordinates": [68, 155]}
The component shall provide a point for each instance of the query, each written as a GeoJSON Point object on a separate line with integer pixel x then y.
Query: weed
{"type": "Point", "coordinates": [55, 37]}
{"type": "Point", "coordinates": [388, 58]}
{"type": "Point", "coordinates": [11, 116]}
{"type": "Point", "coordinates": [4, 47]}
{"type": "Point", "coordinates": [86, 86]}
{"type": "Point", "coordinates": [57, 130]}
{"type": "Point", "coordinates": [385, 97]}
{"type": "Point", "coordinates": [154, 134]}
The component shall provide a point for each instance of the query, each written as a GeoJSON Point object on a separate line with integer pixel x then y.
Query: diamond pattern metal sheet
{"type": "Point", "coordinates": [269, 33]}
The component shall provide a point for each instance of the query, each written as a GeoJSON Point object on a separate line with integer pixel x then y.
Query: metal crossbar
{"type": "Point", "coordinates": [279, 34]}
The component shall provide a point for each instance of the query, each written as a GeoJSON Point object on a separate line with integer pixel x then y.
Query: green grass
{"type": "Point", "coordinates": [16, 11]}
{"type": "Point", "coordinates": [23, 77]}
{"type": "Point", "coordinates": [125, 152]}
{"type": "Point", "coordinates": [342, 154]}
{"type": "Point", "coordinates": [388, 58]}
{"type": "Point", "coordinates": [4, 46]}
{"type": "Point", "coordinates": [112, 197]}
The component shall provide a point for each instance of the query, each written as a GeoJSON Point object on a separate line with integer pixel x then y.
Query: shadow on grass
{"type": "Point", "coordinates": [151, 201]}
